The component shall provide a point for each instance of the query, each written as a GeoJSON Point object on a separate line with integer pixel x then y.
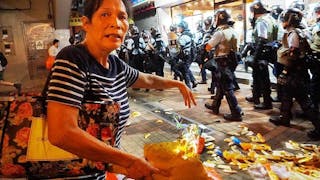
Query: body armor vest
{"type": "Point", "coordinates": [284, 55]}
{"type": "Point", "coordinates": [229, 43]}
{"type": "Point", "coordinates": [272, 28]}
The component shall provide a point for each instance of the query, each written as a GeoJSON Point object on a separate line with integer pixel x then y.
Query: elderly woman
{"type": "Point", "coordinates": [106, 24]}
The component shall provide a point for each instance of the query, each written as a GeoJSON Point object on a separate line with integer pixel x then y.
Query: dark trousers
{"type": "Point", "coordinates": [315, 80]}
{"type": "Point", "coordinates": [297, 88]}
{"type": "Point", "coordinates": [203, 74]}
{"type": "Point", "coordinates": [175, 68]}
{"type": "Point", "coordinates": [224, 84]}
{"type": "Point", "coordinates": [159, 65]}
{"type": "Point", "coordinates": [261, 84]}
{"type": "Point", "coordinates": [278, 68]}
{"type": "Point", "coordinates": [186, 72]}
{"type": "Point", "coordinates": [315, 89]}
{"type": "Point", "coordinates": [137, 62]}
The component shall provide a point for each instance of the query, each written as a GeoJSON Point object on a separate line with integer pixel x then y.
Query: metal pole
{"type": "Point", "coordinates": [244, 4]}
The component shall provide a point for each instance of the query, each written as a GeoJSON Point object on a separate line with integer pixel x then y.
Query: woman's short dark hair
{"type": "Point", "coordinates": [91, 6]}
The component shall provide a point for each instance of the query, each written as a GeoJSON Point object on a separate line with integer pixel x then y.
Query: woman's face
{"type": "Point", "coordinates": [108, 26]}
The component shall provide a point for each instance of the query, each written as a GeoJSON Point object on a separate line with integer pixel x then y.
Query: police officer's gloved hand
{"type": "Point", "coordinates": [283, 78]}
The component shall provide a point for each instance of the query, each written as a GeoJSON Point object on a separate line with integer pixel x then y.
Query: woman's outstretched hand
{"type": "Point", "coordinates": [187, 94]}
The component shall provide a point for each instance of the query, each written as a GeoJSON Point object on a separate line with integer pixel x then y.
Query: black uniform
{"type": "Point", "coordinates": [292, 55]}
{"type": "Point", "coordinates": [225, 41]}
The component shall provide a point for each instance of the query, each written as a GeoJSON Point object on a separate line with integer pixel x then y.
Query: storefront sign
{"type": "Point", "coordinates": [168, 3]}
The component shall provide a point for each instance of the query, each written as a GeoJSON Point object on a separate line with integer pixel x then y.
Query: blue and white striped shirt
{"type": "Point", "coordinates": [76, 72]}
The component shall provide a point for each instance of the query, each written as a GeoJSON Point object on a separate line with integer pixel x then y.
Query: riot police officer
{"type": "Point", "coordinates": [136, 46]}
{"type": "Point", "coordinates": [159, 53]}
{"type": "Point", "coordinates": [201, 32]}
{"type": "Point", "coordinates": [173, 51]}
{"type": "Point", "coordinates": [209, 29]}
{"type": "Point", "coordinates": [148, 40]}
{"type": "Point", "coordinates": [292, 55]}
{"type": "Point", "coordinates": [276, 11]}
{"type": "Point", "coordinates": [315, 62]}
{"type": "Point", "coordinates": [298, 4]}
{"type": "Point", "coordinates": [224, 40]}
{"type": "Point", "coordinates": [264, 32]}
{"type": "Point", "coordinates": [186, 54]}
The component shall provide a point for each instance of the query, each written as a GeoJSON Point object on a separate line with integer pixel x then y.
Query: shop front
{"type": "Point", "coordinates": [195, 11]}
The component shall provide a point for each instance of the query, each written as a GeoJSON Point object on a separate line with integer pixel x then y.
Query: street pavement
{"type": "Point", "coordinates": [153, 117]}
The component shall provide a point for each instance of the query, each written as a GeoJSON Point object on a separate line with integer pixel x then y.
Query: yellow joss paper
{"type": "Point", "coordinates": [258, 138]}
{"type": "Point", "coordinates": [168, 157]}
{"type": "Point", "coordinates": [147, 135]}
{"type": "Point", "coordinates": [135, 114]}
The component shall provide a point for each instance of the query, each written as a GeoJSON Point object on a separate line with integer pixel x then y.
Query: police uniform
{"type": "Point", "coordinates": [315, 65]}
{"type": "Point", "coordinates": [262, 34]}
{"type": "Point", "coordinates": [137, 54]}
{"type": "Point", "coordinates": [148, 65]}
{"type": "Point", "coordinates": [158, 55]}
{"type": "Point", "coordinates": [174, 50]}
{"type": "Point", "coordinates": [185, 43]}
{"type": "Point", "coordinates": [224, 40]}
{"type": "Point", "coordinates": [292, 55]}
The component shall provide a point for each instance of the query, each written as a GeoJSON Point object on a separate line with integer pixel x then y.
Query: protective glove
{"type": "Point", "coordinates": [283, 78]}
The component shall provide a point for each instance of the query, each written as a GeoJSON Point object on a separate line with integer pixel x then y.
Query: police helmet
{"type": "Point", "coordinates": [153, 31]}
{"type": "Point", "coordinates": [222, 17]}
{"type": "Point", "coordinates": [297, 4]}
{"type": "Point", "coordinates": [208, 21]}
{"type": "Point", "coordinates": [276, 11]}
{"type": "Point", "coordinates": [317, 8]}
{"type": "Point", "coordinates": [258, 8]}
{"type": "Point", "coordinates": [145, 34]}
{"type": "Point", "coordinates": [134, 30]}
{"type": "Point", "coordinates": [292, 16]}
{"type": "Point", "coordinates": [173, 28]}
{"type": "Point", "coordinates": [157, 34]}
{"type": "Point", "coordinates": [183, 25]}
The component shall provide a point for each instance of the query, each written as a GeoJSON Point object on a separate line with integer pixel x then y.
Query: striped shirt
{"type": "Point", "coordinates": [76, 74]}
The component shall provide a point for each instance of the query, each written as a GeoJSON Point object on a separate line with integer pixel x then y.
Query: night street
{"type": "Point", "coordinates": [152, 121]}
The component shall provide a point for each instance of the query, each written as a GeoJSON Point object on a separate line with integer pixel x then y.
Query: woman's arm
{"type": "Point", "coordinates": [63, 131]}
{"type": "Point", "coordinates": [156, 82]}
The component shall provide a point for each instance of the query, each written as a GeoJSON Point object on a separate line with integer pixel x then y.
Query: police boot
{"type": "Point", "coordinates": [267, 104]}
{"type": "Point", "coordinates": [280, 120]}
{"type": "Point", "coordinates": [262, 106]}
{"type": "Point", "coordinates": [233, 117]}
{"type": "Point", "coordinates": [212, 107]}
{"type": "Point", "coordinates": [236, 86]}
{"type": "Point", "coordinates": [194, 84]}
{"type": "Point", "coordinates": [211, 90]}
{"type": "Point", "coordinates": [252, 99]}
